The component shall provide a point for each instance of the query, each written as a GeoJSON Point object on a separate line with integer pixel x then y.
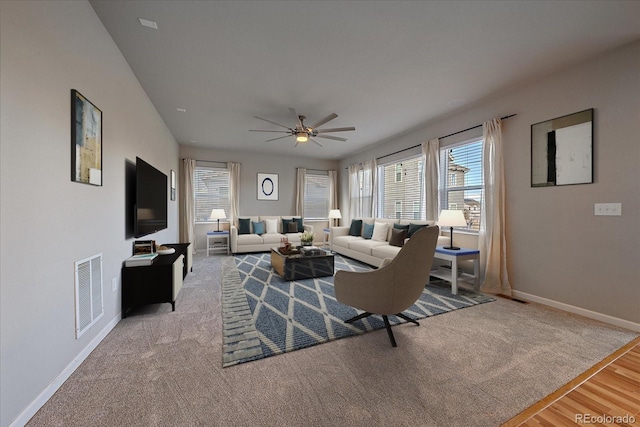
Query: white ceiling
{"type": "Point", "coordinates": [383, 67]}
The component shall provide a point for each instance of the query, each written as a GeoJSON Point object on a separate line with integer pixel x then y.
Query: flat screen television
{"type": "Point", "coordinates": [150, 211]}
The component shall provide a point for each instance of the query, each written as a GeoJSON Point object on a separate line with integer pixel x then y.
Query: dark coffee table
{"type": "Point", "coordinates": [300, 266]}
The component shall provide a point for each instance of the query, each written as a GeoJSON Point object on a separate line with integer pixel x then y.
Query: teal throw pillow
{"type": "Point", "coordinates": [415, 227]}
{"type": "Point", "coordinates": [244, 225]}
{"type": "Point", "coordinates": [298, 222]}
{"type": "Point", "coordinates": [356, 227]}
{"type": "Point", "coordinates": [258, 227]}
{"type": "Point", "coordinates": [401, 227]}
{"type": "Point", "coordinates": [367, 232]}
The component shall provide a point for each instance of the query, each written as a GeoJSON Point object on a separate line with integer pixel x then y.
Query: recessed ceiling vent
{"type": "Point", "coordinates": [89, 307]}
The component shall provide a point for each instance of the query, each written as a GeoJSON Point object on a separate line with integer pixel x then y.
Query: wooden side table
{"type": "Point", "coordinates": [455, 256]}
{"type": "Point", "coordinates": [217, 241]}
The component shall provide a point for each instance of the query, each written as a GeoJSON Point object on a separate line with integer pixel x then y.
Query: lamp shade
{"type": "Point", "coordinates": [452, 218]}
{"type": "Point", "coordinates": [335, 214]}
{"type": "Point", "coordinates": [217, 214]}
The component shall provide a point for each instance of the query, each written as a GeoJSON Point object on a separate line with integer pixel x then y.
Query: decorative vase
{"type": "Point", "coordinates": [306, 243]}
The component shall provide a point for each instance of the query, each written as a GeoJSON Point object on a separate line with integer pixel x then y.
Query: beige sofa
{"type": "Point", "coordinates": [241, 243]}
{"type": "Point", "coordinates": [370, 251]}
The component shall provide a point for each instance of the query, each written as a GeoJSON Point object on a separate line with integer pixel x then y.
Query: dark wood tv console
{"type": "Point", "coordinates": [156, 283]}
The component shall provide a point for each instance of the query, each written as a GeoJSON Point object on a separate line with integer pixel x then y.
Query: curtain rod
{"type": "Point", "coordinates": [442, 137]}
{"type": "Point", "coordinates": [211, 161]}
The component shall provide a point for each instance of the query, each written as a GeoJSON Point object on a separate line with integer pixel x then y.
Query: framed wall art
{"type": "Point", "coordinates": [267, 186]}
{"type": "Point", "coordinates": [562, 150]}
{"type": "Point", "coordinates": [86, 140]}
{"type": "Point", "coordinates": [173, 185]}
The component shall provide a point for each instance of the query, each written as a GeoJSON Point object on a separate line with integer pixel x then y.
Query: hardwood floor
{"type": "Point", "coordinates": [607, 394]}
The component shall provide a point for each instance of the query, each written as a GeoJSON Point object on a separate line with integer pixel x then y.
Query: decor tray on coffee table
{"type": "Point", "coordinates": [302, 266]}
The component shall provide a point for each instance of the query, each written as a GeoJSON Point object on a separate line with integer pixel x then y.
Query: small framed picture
{"type": "Point", "coordinates": [144, 247]}
{"type": "Point", "coordinates": [267, 186]}
{"type": "Point", "coordinates": [86, 140]}
{"type": "Point", "coordinates": [173, 185]}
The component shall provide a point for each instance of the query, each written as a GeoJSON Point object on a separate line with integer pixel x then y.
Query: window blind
{"type": "Point", "coordinates": [316, 196]}
{"type": "Point", "coordinates": [401, 189]}
{"type": "Point", "coordinates": [461, 180]}
{"type": "Point", "coordinates": [211, 191]}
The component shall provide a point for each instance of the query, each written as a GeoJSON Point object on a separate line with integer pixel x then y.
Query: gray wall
{"type": "Point", "coordinates": [48, 222]}
{"type": "Point", "coordinates": [558, 250]}
{"type": "Point", "coordinates": [252, 164]}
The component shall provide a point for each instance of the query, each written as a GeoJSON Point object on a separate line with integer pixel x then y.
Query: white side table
{"type": "Point", "coordinates": [217, 241]}
{"type": "Point", "coordinates": [325, 237]}
{"type": "Point", "coordinates": [454, 256]}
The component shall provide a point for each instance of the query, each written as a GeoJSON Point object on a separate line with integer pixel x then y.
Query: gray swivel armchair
{"type": "Point", "coordinates": [393, 287]}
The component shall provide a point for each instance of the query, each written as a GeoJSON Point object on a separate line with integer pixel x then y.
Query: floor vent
{"type": "Point", "coordinates": [89, 307]}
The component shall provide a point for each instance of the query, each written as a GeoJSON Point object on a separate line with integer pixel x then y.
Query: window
{"type": "Point", "coordinates": [398, 172]}
{"type": "Point", "coordinates": [398, 210]}
{"type": "Point", "coordinates": [401, 184]}
{"type": "Point", "coordinates": [463, 186]}
{"type": "Point", "coordinates": [211, 187]}
{"type": "Point", "coordinates": [316, 196]}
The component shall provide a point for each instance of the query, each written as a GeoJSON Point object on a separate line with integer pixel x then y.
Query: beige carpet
{"type": "Point", "coordinates": [474, 367]}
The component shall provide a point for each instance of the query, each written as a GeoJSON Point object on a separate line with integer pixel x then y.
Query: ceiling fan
{"type": "Point", "coordinates": [304, 133]}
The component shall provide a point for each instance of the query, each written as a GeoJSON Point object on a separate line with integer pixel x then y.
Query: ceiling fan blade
{"type": "Point", "coordinates": [272, 122]}
{"type": "Point", "coordinates": [316, 142]}
{"type": "Point", "coordinates": [336, 129]}
{"type": "Point", "coordinates": [331, 137]}
{"type": "Point", "coordinates": [293, 111]}
{"type": "Point", "coordinates": [261, 130]}
{"type": "Point", "coordinates": [323, 121]}
{"type": "Point", "coordinates": [280, 137]}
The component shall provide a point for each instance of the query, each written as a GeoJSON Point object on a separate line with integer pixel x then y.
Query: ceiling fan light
{"type": "Point", "coordinates": [302, 137]}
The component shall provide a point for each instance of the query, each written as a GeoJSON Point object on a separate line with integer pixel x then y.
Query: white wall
{"type": "Point", "coordinates": [48, 222]}
{"type": "Point", "coordinates": [558, 250]}
{"type": "Point", "coordinates": [251, 164]}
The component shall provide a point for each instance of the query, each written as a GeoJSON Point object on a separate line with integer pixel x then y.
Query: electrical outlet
{"type": "Point", "coordinates": [114, 284]}
{"type": "Point", "coordinates": [608, 209]}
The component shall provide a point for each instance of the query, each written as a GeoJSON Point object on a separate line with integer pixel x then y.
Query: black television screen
{"type": "Point", "coordinates": [151, 199]}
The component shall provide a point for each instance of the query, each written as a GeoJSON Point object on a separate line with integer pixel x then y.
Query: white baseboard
{"type": "Point", "coordinates": [54, 385]}
{"type": "Point", "coordinates": [615, 321]}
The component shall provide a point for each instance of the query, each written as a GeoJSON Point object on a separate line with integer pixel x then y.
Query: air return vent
{"type": "Point", "coordinates": [89, 306]}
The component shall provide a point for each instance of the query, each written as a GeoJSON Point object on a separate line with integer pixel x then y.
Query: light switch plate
{"type": "Point", "coordinates": [114, 284]}
{"type": "Point", "coordinates": [608, 209]}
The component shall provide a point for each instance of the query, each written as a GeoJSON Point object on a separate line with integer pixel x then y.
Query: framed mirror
{"type": "Point", "coordinates": [562, 150]}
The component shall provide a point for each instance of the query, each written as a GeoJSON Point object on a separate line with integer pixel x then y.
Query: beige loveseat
{"type": "Point", "coordinates": [263, 242]}
{"type": "Point", "coordinates": [371, 251]}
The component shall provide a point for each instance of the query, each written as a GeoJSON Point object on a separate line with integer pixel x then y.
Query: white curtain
{"type": "Point", "coordinates": [492, 240]}
{"type": "Point", "coordinates": [362, 190]}
{"type": "Point", "coordinates": [187, 195]}
{"type": "Point", "coordinates": [234, 191]}
{"type": "Point", "coordinates": [333, 190]}
{"type": "Point", "coordinates": [431, 170]}
{"type": "Point", "coordinates": [301, 175]}
{"type": "Point", "coordinates": [369, 193]}
{"type": "Point", "coordinates": [354, 193]}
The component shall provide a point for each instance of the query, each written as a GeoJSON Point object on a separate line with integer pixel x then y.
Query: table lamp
{"type": "Point", "coordinates": [334, 214]}
{"type": "Point", "coordinates": [452, 218]}
{"type": "Point", "coordinates": [217, 214]}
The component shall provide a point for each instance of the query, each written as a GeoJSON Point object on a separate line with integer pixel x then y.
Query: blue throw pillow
{"type": "Point", "coordinates": [298, 221]}
{"type": "Point", "coordinates": [356, 227]}
{"type": "Point", "coordinates": [367, 233]}
{"type": "Point", "coordinates": [415, 227]}
{"type": "Point", "coordinates": [244, 225]}
{"type": "Point", "coordinates": [258, 227]}
{"type": "Point", "coordinates": [401, 226]}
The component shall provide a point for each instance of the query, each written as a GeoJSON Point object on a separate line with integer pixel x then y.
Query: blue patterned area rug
{"type": "Point", "coordinates": [264, 315]}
